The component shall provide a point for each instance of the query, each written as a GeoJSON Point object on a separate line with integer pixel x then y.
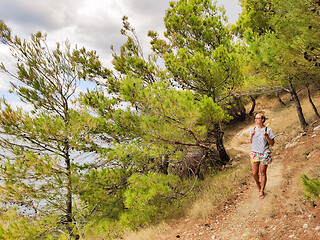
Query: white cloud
{"type": "Point", "coordinates": [4, 84]}
{"type": "Point", "coordinates": [18, 104]}
{"type": "Point", "coordinates": [47, 15]}
{"type": "Point", "coordinates": [5, 55]}
{"type": "Point", "coordinates": [4, 79]}
{"type": "Point", "coordinates": [232, 8]}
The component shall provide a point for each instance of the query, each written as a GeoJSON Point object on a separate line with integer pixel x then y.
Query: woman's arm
{"type": "Point", "coordinates": [270, 141]}
{"type": "Point", "coordinates": [251, 135]}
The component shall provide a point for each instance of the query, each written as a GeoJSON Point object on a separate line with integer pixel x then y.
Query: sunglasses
{"type": "Point", "coordinates": [258, 118]}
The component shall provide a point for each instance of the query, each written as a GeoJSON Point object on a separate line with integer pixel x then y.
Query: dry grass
{"type": "Point", "coordinates": [221, 188]}
{"type": "Point", "coordinates": [239, 137]}
{"type": "Point", "coordinates": [147, 233]}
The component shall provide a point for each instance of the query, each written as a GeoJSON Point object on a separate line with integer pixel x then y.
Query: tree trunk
{"type": "Point", "coordinates": [199, 164]}
{"type": "Point", "coordinates": [311, 102]}
{"type": "Point", "coordinates": [218, 134]}
{"type": "Point", "coordinates": [253, 99]}
{"type": "Point", "coordinates": [280, 100]}
{"type": "Point", "coordinates": [295, 98]}
{"type": "Point", "coordinates": [163, 164]}
{"type": "Point", "coordinates": [242, 109]}
{"type": "Point", "coordinates": [69, 218]}
{"type": "Point", "coordinates": [69, 190]}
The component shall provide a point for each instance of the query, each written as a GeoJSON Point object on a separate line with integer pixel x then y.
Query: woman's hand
{"type": "Point", "coordinates": [269, 140]}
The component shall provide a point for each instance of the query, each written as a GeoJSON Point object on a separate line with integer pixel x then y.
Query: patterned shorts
{"type": "Point", "coordinates": [260, 158]}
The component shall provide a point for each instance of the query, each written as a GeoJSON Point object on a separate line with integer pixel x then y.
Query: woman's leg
{"type": "Point", "coordinates": [255, 174]}
{"type": "Point", "coordinates": [263, 173]}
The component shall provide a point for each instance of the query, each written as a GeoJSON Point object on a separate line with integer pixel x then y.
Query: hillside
{"type": "Point", "coordinates": [285, 213]}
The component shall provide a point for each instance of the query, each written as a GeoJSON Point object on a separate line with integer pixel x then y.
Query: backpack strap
{"type": "Point", "coordinates": [267, 133]}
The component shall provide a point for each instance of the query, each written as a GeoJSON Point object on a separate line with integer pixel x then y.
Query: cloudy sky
{"type": "Point", "coordinates": [94, 24]}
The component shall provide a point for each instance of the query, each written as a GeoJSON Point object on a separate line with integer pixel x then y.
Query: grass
{"type": "Point", "coordinates": [219, 189]}
{"type": "Point", "coordinates": [147, 233]}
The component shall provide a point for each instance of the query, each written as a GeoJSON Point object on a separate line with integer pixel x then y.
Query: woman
{"type": "Point", "coordinates": [261, 138]}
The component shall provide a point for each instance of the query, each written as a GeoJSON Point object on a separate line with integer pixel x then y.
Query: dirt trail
{"type": "Point", "coordinates": [241, 220]}
{"type": "Point", "coordinates": [280, 215]}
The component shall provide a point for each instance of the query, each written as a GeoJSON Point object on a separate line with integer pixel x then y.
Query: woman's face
{"type": "Point", "coordinates": [258, 118]}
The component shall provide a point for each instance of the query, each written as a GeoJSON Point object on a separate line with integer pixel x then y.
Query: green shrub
{"type": "Point", "coordinates": [14, 226]}
{"type": "Point", "coordinates": [312, 186]}
{"type": "Point", "coordinates": [149, 198]}
{"type": "Point", "coordinates": [102, 193]}
{"type": "Point", "coordinates": [102, 229]}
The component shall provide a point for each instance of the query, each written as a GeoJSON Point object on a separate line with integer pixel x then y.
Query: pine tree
{"type": "Point", "coordinates": [40, 162]}
{"type": "Point", "coordinates": [286, 51]}
{"type": "Point", "coordinates": [200, 56]}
